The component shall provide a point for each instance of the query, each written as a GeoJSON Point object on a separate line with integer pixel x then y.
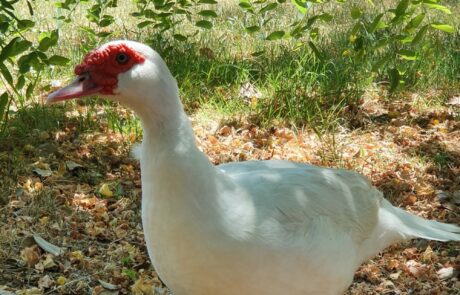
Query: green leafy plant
{"type": "Point", "coordinates": [22, 60]}
{"type": "Point", "coordinates": [391, 38]}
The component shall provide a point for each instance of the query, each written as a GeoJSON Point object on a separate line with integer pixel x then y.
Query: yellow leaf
{"type": "Point", "coordinates": [352, 38]}
{"type": "Point", "coordinates": [76, 256]}
{"type": "Point", "coordinates": [105, 191]}
{"type": "Point", "coordinates": [44, 220]}
{"type": "Point", "coordinates": [394, 114]}
{"type": "Point", "coordinates": [142, 287]}
{"type": "Point", "coordinates": [61, 280]}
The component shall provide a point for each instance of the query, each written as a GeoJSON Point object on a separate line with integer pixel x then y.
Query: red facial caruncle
{"type": "Point", "coordinates": [104, 65]}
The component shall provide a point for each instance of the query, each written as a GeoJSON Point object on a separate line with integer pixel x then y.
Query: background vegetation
{"type": "Point", "coordinates": [309, 59]}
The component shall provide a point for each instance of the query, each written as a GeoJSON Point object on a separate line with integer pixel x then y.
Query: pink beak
{"type": "Point", "coordinates": [82, 86]}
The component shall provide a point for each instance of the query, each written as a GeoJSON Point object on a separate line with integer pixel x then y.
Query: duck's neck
{"type": "Point", "coordinates": [170, 135]}
{"type": "Point", "coordinates": [171, 163]}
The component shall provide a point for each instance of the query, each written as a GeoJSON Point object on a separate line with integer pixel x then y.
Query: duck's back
{"type": "Point", "coordinates": [293, 195]}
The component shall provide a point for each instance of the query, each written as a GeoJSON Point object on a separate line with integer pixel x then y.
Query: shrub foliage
{"type": "Point", "coordinates": [404, 26]}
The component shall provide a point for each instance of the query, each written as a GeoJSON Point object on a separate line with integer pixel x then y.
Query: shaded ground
{"type": "Point", "coordinates": [80, 190]}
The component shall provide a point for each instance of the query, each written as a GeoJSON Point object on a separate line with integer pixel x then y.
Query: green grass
{"type": "Point", "coordinates": [297, 87]}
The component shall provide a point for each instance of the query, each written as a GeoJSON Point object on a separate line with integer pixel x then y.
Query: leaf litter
{"type": "Point", "coordinates": [70, 222]}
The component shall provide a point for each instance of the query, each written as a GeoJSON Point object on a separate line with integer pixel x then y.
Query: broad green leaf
{"type": "Point", "coordinates": [25, 24]}
{"type": "Point", "coordinates": [21, 82]}
{"type": "Point", "coordinates": [380, 63]}
{"type": "Point", "coordinates": [268, 7]}
{"type": "Point", "coordinates": [407, 54]}
{"type": "Point", "coordinates": [21, 46]}
{"type": "Point", "coordinates": [395, 78]}
{"type": "Point", "coordinates": [276, 35]}
{"type": "Point", "coordinates": [144, 24]}
{"type": "Point", "coordinates": [438, 7]}
{"type": "Point", "coordinates": [415, 22]}
{"type": "Point", "coordinates": [207, 2]}
{"type": "Point", "coordinates": [325, 17]}
{"type": "Point", "coordinates": [258, 53]}
{"type": "Point", "coordinates": [404, 39]}
{"type": "Point", "coordinates": [47, 40]}
{"type": "Point", "coordinates": [103, 34]}
{"type": "Point", "coordinates": [208, 13]}
{"type": "Point", "coordinates": [149, 13]}
{"type": "Point", "coordinates": [4, 26]}
{"type": "Point", "coordinates": [164, 14]}
{"type": "Point", "coordinates": [267, 20]}
{"type": "Point", "coordinates": [443, 27]}
{"type": "Point", "coordinates": [298, 31]}
{"type": "Point", "coordinates": [356, 28]}
{"type": "Point", "coordinates": [30, 90]}
{"type": "Point", "coordinates": [300, 5]}
{"type": "Point", "coordinates": [14, 47]}
{"type": "Point", "coordinates": [314, 33]}
{"type": "Point", "coordinates": [6, 74]}
{"type": "Point", "coordinates": [29, 6]}
{"type": "Point", "coordinates": [106, 20]}
{"type": "Point", "coordinates": [204, 24]}
{"type": "Point", "coordinates": [58, 60]}
{"type": "Point", "coordinates": [376, 24]}
{"type": "Point", "coordinates": [180, 37]}
{"type": "Point", "coordinates": [381, 43]}
{"type": "Point", "coordinates": [419, 36]}
{"type": "Point", "coordinates": [402, 7]}
{"type": "Point", "coordinates": [252, 29]}
{"type": "Point", "coordinates": [246, 6]}
{"type": "Point", "coordinates": [26, 61]}
{"type": "Point", "coordinates": [315, 50]}
{"type": "Point", "coordinates": [355, 12]}
{"type": "Point", "coordinates": [3, 104]}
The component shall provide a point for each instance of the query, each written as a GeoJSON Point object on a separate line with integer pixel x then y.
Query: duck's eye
{"type": "Point", "coordinates": [122, 58]}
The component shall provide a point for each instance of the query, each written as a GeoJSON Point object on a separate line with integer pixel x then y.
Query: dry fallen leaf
{"type": "Point", "coordinates": [30, 255]}
{"type": "Point", "coordinates": [43, 172]}
{"type": "Point", "coordinates": [108, 286]}
{"type": "Point", "coordinates": [76, 256]}
{"type": "Point", "coordinates": [446, 273]}
{"type": "Point", "coordinates": [142, 287]}
{"type": "Point", "coordinates": [44, 220]}
{"type": "Point", "coordinates": [47, 246]}
{"type": "Point", "coordinates": [454, 101]}
{"type": "Point", "coordinates": [45, 282]}
{"type": "Point", "coordinates": [392, 264]}
{"type": "Point", "coordinates": [48, 262]}
{"type": "Point", "coordinates": [428, 255]}
{"type": "Point", "coordinates": [31, 291]}
{"type": "Point", "coordinates": [71, 165]}
{"type": "Point", "coordinates": [395, 276]}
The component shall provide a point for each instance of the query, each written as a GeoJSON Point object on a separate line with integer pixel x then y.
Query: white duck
{"type": "Point", "coordinates": [257, 227]}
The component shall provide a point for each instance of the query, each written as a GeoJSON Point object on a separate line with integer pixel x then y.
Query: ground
{"type": "Point", "coordinates": [80, 191]}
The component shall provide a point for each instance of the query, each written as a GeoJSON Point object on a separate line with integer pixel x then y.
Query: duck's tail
{"type": "Point", "coordinates": [412, 226]}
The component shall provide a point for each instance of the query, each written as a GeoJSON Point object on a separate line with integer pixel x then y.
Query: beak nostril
{"type": "Point", "coordinates": [82, 78]}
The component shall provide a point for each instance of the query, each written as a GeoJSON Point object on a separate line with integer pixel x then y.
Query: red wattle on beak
{"type": "Point", "coordinates": [82, 86]}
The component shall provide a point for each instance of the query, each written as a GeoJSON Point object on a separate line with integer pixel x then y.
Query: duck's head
{"type": "Point", "coordinates": [125, 71]}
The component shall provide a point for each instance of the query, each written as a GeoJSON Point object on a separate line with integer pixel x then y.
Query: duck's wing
{"type": "Point", "coordinates": [294, 197]}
